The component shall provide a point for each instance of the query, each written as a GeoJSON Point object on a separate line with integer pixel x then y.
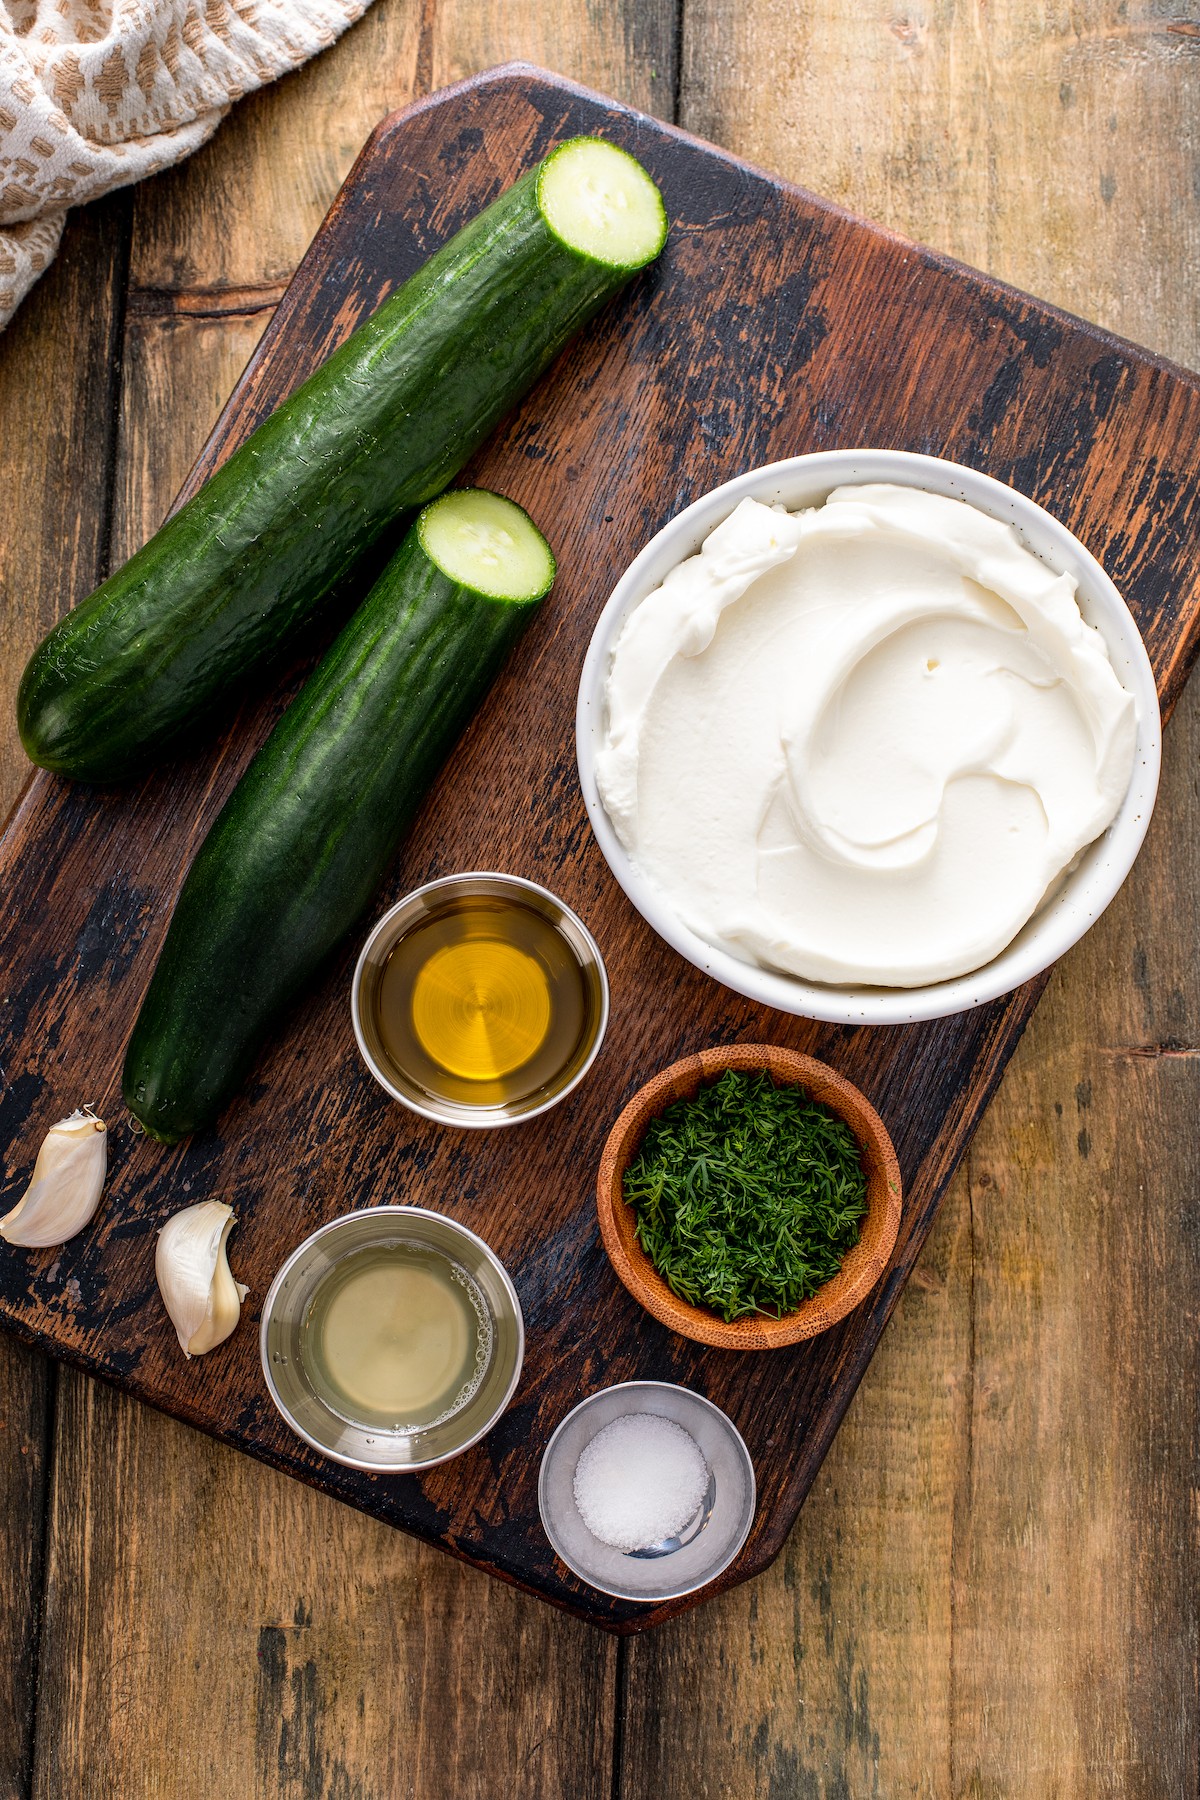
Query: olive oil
{"type": "Point", "coordinates": [397, 1336]}
{"type": "Point", "coordinates": [483, 1002]}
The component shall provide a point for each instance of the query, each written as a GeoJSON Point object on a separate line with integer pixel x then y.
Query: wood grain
{"type": "Point", "coordinates": [669, 394]}
{"type": "Point", "coordinates": [1077, 1542]}
{"type": "Point", "coordinates": [629, 51]}
{"type": "Point", "coordinates": [225, 229]}
{"type": "Point", "coordinates": [964, 1607]}
{"type": "Point", "coordinates": [1017, 138]}
{"type": "Point", "coordinates": [832, 1672]}
{"type": "Point", "coordinates": [57, 392]}
{"type": "Point", "coordinates": [828, 1676]}
{"type": "Point", "coordinates": [991, 1589]}
{"type": "Point", "coordinates": [219, 1628]}
{"type": "Point", "coordinates": [349, 1660]}
{"type": "Point", "coordinates": [26, 1387]}
{"type": "Point", "coordinates": [228, 226]}
{"type": "Point", "coordinates": [59, 386]}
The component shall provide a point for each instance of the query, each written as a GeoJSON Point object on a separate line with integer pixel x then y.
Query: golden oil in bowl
{"type": "Point", "coordinates": [480, 999]}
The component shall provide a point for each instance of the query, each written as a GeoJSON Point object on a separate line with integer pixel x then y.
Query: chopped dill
{"type": "Point", "coordinates": [748, 1196]}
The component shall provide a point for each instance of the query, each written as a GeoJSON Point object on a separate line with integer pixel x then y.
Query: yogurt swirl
{"type": "Point", "coordinates": [863, 743]}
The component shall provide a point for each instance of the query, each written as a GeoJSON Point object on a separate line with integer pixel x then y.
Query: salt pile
{"type": "Point", "coordinates": [639, 1480]}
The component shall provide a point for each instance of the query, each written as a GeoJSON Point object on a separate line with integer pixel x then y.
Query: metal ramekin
{"type": "Point", "coordinates": [428, 899]}
{"type": "Point", "coordinates": [370, 1447]}
{"type": "Point", "coordinates": [701, 1554]}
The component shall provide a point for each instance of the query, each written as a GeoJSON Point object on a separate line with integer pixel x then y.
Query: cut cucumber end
{"type": "Point", "coordinates": [487, 543]}
{"type": "Point", "coordinates": [600, 201]}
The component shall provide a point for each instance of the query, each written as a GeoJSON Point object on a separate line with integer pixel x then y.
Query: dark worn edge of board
{"type": "Point", "coordinates": [1010, 1019]}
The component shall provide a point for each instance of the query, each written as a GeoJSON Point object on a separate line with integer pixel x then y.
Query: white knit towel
{"type": "Point", "coordinates": [98, 93]}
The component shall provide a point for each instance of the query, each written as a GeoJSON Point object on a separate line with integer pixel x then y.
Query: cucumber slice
{"type": "Point", "coordinates": [304, 839]}
{"type": "Point", "coordinates": [602, 203]}
{"type": "Point", "coordinates": [488, 544]}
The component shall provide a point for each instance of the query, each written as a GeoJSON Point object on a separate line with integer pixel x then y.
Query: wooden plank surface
{"type": "Point", "coordinates": [58, 391]}
{"type": "Point", "coordinates": [992, 1589]}
{"type": "Point", "coordinates": [355, 1662]}
{"type": "Point", "coordinates": [359, 1663]}
{"type": "Point", "coordinates": [839, 1671]}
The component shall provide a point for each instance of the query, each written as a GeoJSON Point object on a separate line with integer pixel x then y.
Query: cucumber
{"type": "Point", "coordinates": [378, 430]}
{"type": "Point", "coordinates": [303, 841]}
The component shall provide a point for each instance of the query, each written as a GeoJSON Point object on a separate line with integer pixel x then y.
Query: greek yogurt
{"type": "Point", "coordinates": [862, 743]}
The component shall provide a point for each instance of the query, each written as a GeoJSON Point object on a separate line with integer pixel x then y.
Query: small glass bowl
{"type": "Point", "coordinates": [372, 1447]}
{"type": "Point", "coordinates": [430, 899]}
{"type": "Point", "coordinates": [703, 1549]}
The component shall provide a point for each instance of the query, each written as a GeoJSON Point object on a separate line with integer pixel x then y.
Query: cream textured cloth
{"type": "Point", "coordinates": [98, 93]}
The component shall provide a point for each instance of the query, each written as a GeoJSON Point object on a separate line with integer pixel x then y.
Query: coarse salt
{"type": "Point", "coordinates": [640, 1480]}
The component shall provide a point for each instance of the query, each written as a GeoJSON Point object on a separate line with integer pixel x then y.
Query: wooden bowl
{"type": "Point", "coordinates": [861, 1267]}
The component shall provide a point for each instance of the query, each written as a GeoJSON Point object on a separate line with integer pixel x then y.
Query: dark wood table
{"type": "Point", "coordinates": [992, 1588]}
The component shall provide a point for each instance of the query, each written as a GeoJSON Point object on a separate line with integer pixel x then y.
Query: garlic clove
{"type": "Point", "coordinates": [65, 1187]}
{"type": "Point", "coordinates": [194, 1278]}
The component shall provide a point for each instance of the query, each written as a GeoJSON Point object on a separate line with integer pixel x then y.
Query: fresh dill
{"type": "Point", "coordinates": [748, 1196]}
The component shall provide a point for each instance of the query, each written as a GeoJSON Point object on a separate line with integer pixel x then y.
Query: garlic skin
{"type": "Point", "coordinates": [194, 1278]}
{"type": "Point", "coordinates": [65, 1187]}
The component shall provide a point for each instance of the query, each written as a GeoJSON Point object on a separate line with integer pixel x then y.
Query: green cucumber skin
{"type": "Point", "coordinates": [304, 839]}
{"type": "Point", "coordinates": [379, 429]}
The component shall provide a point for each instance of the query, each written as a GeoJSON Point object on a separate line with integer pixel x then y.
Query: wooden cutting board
{"type": "Point", "coordinates": [773, 324]}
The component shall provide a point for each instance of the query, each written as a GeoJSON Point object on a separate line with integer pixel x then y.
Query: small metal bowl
{"type": "Point", "coordinates": [430, 899]}
{"type": "Point", "coordinates": [369, 1446]}
{"type": "Point", "coordinates": [705, 1547]}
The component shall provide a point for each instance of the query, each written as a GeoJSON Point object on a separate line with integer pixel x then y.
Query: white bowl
{"type": "Point", "coordinates": [804, 481]}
